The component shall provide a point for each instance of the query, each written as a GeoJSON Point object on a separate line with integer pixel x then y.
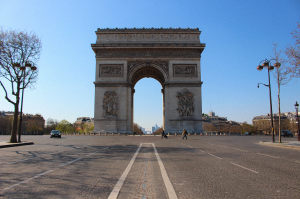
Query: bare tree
{"type": "Point", "coordinates": [158, 131]}
{"type": "Point", "coordinates": [282, 77]}
{"type": "Point", "coordinates": [51, 125]}
{"type": "Point", "coordinates": [22, 48]}
{"type": "Point", "coordinates": [137, 129]}
{"type": "Point", "coordinates": [293, 53]}
{"type": "Point", "coordinates": [209, 127]}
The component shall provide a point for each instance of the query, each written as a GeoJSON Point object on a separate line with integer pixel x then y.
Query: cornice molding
{"type": "Point", "coordinates": [114, 30]}
{"type": "Point", "coordinates": [148, 53]}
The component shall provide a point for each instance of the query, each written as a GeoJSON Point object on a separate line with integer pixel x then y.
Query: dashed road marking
{"type": "Point", "coordinates": [70, 162]}
{"type": "Point", "coordinates": [267, 155]}
{"type": "Point", "coordinates": [214, 156]}
{"type": "Point", "coordinates": [233, 148]}
{"type": "Point", "coordinates": [25, 181]}
{"type": "Point", "coordinates": [244, 167]}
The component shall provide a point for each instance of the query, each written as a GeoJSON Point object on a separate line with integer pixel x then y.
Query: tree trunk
{"type": "Point", "coordinates": [13, 138]}
{"type": "Point", "coordinates": [279, 118]}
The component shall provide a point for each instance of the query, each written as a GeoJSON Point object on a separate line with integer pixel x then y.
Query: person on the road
{"type": "Point", "coordinates": [163, 135]}
{"type": "Point", "coordinates": [184, 133]}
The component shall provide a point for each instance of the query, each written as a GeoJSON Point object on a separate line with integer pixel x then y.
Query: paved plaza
{"type": "Point", "coordinates": [149, 167]}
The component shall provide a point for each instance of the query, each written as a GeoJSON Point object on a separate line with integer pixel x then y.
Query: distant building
{"type": "Point", "coordinates": [143, 129]}
{"type": "Point", "coordinates": [211, 122]}
{"type": "Point", "coordinates": [211, 114]}
{"type": "Point", "coordinates": [291, 116]}
{"type": "Point", "coordinates": [83, 120]}
{"type": "Point", "coordinates": [33, 123]}
{"type": "Point", "coordinates": [262, 124]}
{"type": "Point", "coordinates": [30, 123]}
{"type": "Point", "coordinates": [153, 129]}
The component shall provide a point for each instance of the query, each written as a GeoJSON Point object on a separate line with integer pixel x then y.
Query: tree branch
{"type": "Point", "coordinates": [6, 97]}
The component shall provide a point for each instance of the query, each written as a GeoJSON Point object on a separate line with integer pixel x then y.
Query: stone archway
{"type": "Point", "coordinates": [171, 56]}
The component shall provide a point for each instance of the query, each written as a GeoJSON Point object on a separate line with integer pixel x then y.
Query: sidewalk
{"type": "Point", "coordinates": [4, 144]}
{"type": "Point", "coordinates": [291, 144]}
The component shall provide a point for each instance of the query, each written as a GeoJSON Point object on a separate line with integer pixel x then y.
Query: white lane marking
{"type": "Point", "coordinates": [244, 167]}
{"type": "Point", "coordinates": [25, 181]}
{"type": "Point", "coordinates": [214, 156]}
{"type": "Point", "coordinates": [233, 148]}
{"type": "Point", "coordinates": [115, 192]}
{"type": "Point", "coordinates": [168, 184]}
{"type": "Point", "coordinates": [70, 162]}
{"type": "Point", "coordinates": [60, 151]}
{"type": "Point", "coordinates": [92, 153]}
{"type": "Point", "coordinates": [267, 155]}
{"type": "Point", "coordinates": [22, 160]}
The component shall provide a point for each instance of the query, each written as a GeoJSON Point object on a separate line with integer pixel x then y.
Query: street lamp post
{"type": "Point", "coordinates": [23, 69]}
{"type": "Point", "coordinates": [296, 107]}
{"type": "Point", "coordinates": [267, 64]}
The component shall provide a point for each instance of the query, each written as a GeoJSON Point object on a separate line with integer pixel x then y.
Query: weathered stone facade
{"type": "Point", "coordinates": [171, 56]}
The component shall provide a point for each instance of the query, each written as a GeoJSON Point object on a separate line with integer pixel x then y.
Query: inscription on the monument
{"type": "Point", "coordinates": [185, 103]}
{"type": "Point", "coordinates": [185, 70]}
{"type": "Point", "coordinates": [111, 70]}
{"type": "Point", "coordinates": [155, 53]}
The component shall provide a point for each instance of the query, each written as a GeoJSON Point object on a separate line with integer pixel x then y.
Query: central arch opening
{"type": "Point", "coordinates": [148, 104]}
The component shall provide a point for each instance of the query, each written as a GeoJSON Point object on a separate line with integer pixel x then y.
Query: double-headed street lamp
{"type": "Point", "coordinates": [23, 69]}
{"type": "Point", "coordinates": [267, 64]}
{"type": "Point", "coordinates": [298, 133]}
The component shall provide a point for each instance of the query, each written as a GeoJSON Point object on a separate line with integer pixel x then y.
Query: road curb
{"type": "Point", "coordinates": [8, 144]}
{"type": "Point", "coordinates": [282, 145]}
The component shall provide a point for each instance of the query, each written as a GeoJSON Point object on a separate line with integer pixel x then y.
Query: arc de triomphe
{"type": "Point", "coordinates": [171, 56]}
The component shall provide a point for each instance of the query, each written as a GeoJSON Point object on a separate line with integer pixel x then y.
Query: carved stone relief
{"type": "Point", "coordinates": [111, 70]}
{"type": "Point", "coordinates": [185, 70]}
{"type": "Point", "coordinates": [110, 104]}
{"type": "Point", "coordinates": [185, 103]}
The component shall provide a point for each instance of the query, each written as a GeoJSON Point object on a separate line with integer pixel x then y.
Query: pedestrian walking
{"type": "Point", "coordinates": [163, 135]}
{"type": "Point", "coordinates": [184, 133]}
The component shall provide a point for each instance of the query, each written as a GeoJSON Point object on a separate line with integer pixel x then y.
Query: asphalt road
{"type": "Point", "coordinates": [149, 167]}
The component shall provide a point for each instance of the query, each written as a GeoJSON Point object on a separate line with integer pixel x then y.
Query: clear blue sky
{"type": "Point", "coordinates": [238, 35]}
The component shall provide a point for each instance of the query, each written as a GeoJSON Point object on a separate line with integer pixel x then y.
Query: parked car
{"type": "Point", "coordinates": [248, 133]}
{"type": "Point", "coordinates": [286, 133]}
{"type": "Point", "coordinates": [55, 133]}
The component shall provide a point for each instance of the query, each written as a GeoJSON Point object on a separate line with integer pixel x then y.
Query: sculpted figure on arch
{"type": "Point", "coordinates": [110, 104]}
{"type": "Point", "coordinates": [185, 103]}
